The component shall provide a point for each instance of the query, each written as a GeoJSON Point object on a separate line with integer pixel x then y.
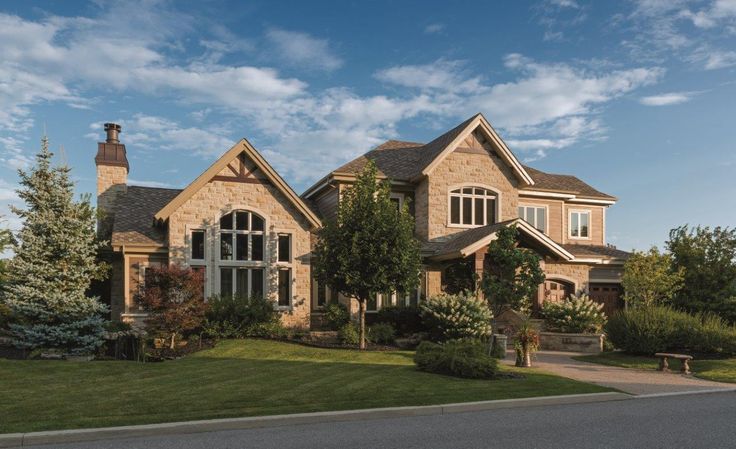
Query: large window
{"type": "Point", "coordinates": [241, 281]}
{"type": "Point", "coordinates": [472, 206]}
{"type": "Point", "coordinates": [241, 236]}
{"type": "Point", "coordinates": [197, 237]}
{"type": "Point", "coordinates": [580, 224]}
{"type": "Point", "coordinates": [535, 216]}
{"type": "Point", "coordinates": [242, 270]}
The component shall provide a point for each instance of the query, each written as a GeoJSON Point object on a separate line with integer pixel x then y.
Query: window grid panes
{"type": "Point", "coordinates": [241, 237]}
{"type": "Point", "coordinates": [472, 206]}
{"type": "Point", "coordinates": [198, 245]}
{"type": "Point", "coordinates": [580, 224]}
{"type": "Point", "coordinates": [535, 216]}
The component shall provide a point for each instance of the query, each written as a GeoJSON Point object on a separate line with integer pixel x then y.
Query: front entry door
{"type": "Point", "coordinates": [556, 291]}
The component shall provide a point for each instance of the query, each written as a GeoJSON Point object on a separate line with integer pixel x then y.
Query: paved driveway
{"type": "Point", "coordinates": [628, 380]}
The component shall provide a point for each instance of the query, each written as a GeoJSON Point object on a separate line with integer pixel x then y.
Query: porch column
{"type": "Point", "coordinates": [479, 259]}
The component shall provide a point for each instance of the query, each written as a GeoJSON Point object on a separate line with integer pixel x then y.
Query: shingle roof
{"type": "Point", "coordinates": [403, 161]}
{"type": "Point", "coordinates": [134, 211]}
{"type": "Point", "coordinates": [596, 251]}
{"type": "Point", "coordinates": [563, 183]}
{"type": "Point", "coordinates": [462, 239]}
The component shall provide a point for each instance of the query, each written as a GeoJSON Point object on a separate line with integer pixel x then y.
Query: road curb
{"type": "Point", "coordinates": [104, 433]}
{"type": "Point", "coordinates": [685, 393]}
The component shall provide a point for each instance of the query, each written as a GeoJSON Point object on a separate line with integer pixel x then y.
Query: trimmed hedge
{"type": "Point", "coordinates": [459, 358]}
{"type": "Point", "coordinates": [406, 320]}
{"type": "Point", "coordinates": [664, 329]}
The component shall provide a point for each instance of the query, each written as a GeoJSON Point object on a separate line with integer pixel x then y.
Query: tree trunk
{"type": "Point", "coordinates": [361, 309]}
{"type": "Point", "coordinates": [173, 341]}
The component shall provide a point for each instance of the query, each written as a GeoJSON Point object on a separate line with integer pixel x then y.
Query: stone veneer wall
{"type": "Point", "coordinates": [468, 168]}
{"type": "Point", "coordinates": [216, 198]}
{"type": "Point", "coordinates": [111, 183]}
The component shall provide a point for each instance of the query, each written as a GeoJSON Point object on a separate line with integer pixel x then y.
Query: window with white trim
{"type": "Point", "coordinates": [241, 267]}
{"type": "Point", "coordinates": [580, 224]}
{"type": "Point", "coordinates": [284, 260]}
{"type": "Point", "coordinates": [535, 216]}
{"type": "Point", "coordinates": [197, 238]}
{"type": "Point", "coordinates": [472, 206]}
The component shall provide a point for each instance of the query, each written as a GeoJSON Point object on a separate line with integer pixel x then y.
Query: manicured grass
{"type": "Point", "coordinates": [238, 378]}
{"type": "Point", "coordinates": [723, 370]}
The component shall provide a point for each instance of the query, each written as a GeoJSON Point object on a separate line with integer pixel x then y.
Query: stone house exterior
{"type": "Point", "coordinates": [250, 233]}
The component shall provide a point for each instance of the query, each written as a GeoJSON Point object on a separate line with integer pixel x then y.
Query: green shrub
{"type": "Point", "coordinates": [382, 333]}
{"type": "Point", "coordinates": [349, 334]}
{"type": "Point", "coordinates": [336, 315]}
{"type": "Point", "coordinates": [4, 315]}
{"type": "Point", "coordinates": [460, 358]}
{"type": "Point", "coordinates": [228, 317]}
{"type": "Point", "coordinates": [577, 314]}
{"type": "Point", "coordinates": [406, 320]}
{"type": "Point", "coordinates": [273, 329]}
{"type": "Point", "coordinates": [662, 329]}
{"type": "Point", "coordinates": [449, 317]}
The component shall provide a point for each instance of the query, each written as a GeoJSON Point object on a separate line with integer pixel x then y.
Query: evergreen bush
{"type": "Point", "coordinates": [663, 329]}
{"type": "Point", "coordinates": [460, 358]}
{"type": "Point", "coordinates": [349, 334]}
{"type": "Point", "coordinates": [406, 320]}
{"type": "Point", "coordinates": [229, 317]}
{"type": "Point", "coordinates": [382, 333]}
{"type": "Point", "coordinates": [336, 315]}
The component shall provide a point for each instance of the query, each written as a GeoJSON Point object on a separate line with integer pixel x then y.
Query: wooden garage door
{"type": "Point", "coordinates": [610, 295]}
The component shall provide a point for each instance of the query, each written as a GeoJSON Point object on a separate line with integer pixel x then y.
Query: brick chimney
{"type": "Point", "coordinates": [112, 177]}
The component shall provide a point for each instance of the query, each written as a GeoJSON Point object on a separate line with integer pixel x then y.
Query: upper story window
{"type": "Point", "coordinates": [197, 239]}
{"type": "Point", "coordinates": [580, 224]}
{"type": "Point", "coordinates": [472, 206]}
{"type": "Point", "coordinates": [535, 216]}
{"type": "Point", "coordinates": [241, 237]}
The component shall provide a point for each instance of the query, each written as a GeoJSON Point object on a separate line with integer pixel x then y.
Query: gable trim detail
{"type": "Point", "coordinates": [479, 122]}
{"type": "Point", "coordinates": [242, 146]}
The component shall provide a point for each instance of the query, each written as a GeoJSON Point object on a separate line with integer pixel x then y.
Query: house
{"type": "Point", "coordinates": [250, 233]}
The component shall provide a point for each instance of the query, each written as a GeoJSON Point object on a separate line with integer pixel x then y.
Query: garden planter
{"type": "Point", "coordinates": [557, 341]}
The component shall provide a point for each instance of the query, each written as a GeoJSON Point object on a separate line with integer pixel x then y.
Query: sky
{"type": "Point", "coordinates": [637, 98]}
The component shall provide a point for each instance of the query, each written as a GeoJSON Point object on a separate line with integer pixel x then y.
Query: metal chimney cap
{"type": "Point", "coordinates": [112, 130]}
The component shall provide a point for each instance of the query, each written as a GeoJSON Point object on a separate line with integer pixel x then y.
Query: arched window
{"type": "Point", "coordinates": [472, 206]}
{"type": "Point", "coordinates": [241, 255]}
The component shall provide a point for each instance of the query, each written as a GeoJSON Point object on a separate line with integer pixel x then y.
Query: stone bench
{"type": "Point", "coordinates": [664, 366]}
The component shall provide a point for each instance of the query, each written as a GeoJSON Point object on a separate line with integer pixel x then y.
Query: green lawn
{"type": "Point", "coordinates": [723, 370]}
{"type": "Point", "coordinates": [238, 378]}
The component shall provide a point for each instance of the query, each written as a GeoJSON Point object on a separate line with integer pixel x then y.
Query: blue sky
{"type": "Point", "coordinates": [635, 97]}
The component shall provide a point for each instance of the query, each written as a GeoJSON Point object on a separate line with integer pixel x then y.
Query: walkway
{"type": "Point", "coordinates": [633, 381]}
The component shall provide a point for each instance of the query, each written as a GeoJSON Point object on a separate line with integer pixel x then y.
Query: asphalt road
{"type": "Point", "coordinates": [690, 421]}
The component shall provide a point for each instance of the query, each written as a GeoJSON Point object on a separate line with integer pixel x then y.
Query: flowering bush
{"type": "Point", "coordinates": [577, 314]}
{"type": "Point", "coordinates": [449, 317]}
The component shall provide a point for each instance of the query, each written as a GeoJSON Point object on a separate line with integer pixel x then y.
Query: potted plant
{"type": "Point", "coordinates": [526, 344]}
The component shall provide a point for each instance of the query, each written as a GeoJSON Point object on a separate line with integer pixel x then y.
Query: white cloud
{"type": "Point", "coordinates": [718, 12]}
{"type": "Point", "coordinates": [158, 133]}
{"type": "Point", "coordinates": [441, 74]}
{"type": "Point", "coordinates": [434, 28]}
{"type": "Point", "coordinates": [666, 99]}
{"type": "Point", "coordinates": [7, 191]}
{"type": "Point", "coordinates": [713, 59]}
{"type": "Point", "coordinates": [547, 92]}
{"type": "Point", "coordinates": [565, 3]}
{"type": "Point", "coordinates": [301, 49]}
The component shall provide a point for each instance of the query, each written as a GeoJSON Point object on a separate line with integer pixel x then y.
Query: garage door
{"type": "Point", "coordinates": [610, 295]}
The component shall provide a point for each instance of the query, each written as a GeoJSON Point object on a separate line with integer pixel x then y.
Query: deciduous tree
{"type": "Point", "coordinates": [650, 279]}
{"type": "Point", "coordinates": [370, 247]}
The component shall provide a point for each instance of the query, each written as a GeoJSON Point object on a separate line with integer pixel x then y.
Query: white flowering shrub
{"type": "Point", "coordinates": [577, 314]}
{"type": "Point", "coordinates": [448, 317]}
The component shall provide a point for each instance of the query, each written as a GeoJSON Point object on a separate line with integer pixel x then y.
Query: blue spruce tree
{"type": "Point", "coordinates": [55, 261]}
